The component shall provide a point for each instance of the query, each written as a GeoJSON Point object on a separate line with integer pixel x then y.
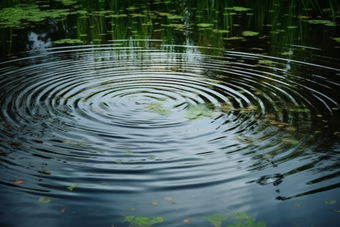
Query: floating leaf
{"type": "Point", "coordinates": [19, 182]}
{"type": "Point", "coordinates": [299, 110]}
{"type": "Point", "coordinates": [43, 200]}
{"type": "Point", "coordinates": [131, 209]}
{"type": "Point", "coordinates": [21, 14]}
{"type": "Point", "coordinates": [168, 198]}
{"type": "Point", "coordinates": [129, 218]}
{"type": "Point", "coordinates": [287, 53]}
{"type": "Point", "coordinates": [233, 38]}
{"type": "Point", "coordinates": [200, 111]}
{"type": "Point", "coordinates": [142, 221]}
{"type": "Point", "coordinates": [186, 220]}
{"type": "Point", "coordinates": [68, 41]}
{"type": "Point", "coordinates": [216, 219]}
{"type": "Point", "coordinates": [325, 22]}
{"type": "Point", "coordinates": [249, 223]}
{"type": "Point", "coordinates": [297, 205]}
{"type": "Point", "coordinates": [204, 25]}
{"type": "Point", "coordinates": [63, 210]}
{"type": "Point", "coordinates": [172, 17]}
{"type": "Point", "coordinates": [330, 201]}
{"type": "Point", "coordinates": [249, 33]}
{"type": "Point", "coordinates": [72, 187]}
{"type": "Point", "coordinates": [290, 141]}
{"type": "Point", "coordinates": [46, 171]}
{"type": "Point", "coordinates": [238, 8]}
{"type": "Point", "coordinates": [266, 62]}
{"type": "Point", "coordinates": [154, 202]}
{"type": "Point", "coordinates": [158, 108]}
{"type": "Point", "coordinates": [240, 215]}
{"type": "Point", "coordinates": [128, 152]}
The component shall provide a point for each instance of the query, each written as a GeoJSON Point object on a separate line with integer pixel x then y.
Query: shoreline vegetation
{"type": "Point", "coordinates": [208, 23]}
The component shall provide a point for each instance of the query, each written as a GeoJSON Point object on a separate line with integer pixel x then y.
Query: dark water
{"type": "Point", "coordinates": [92, 135]}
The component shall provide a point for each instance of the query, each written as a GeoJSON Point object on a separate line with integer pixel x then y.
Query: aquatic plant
{"type": "Point", "coordinates": [21, 15]}
{"type": "Point", "coordinates": [249, 33]}
{"type": "Point", "coordinates": [200, 111]}
{"type": "Point", "coordinates": [249, 223]}
{"type": "Point", "coordinates": [158, 108]}
{"type": "Point", "coordinates": [43, 200]}
{"type": "Point", "coordinates": [68, 41]}
{"type": "Point", "coordinates": [325, 22]}
{"type": "Point", "coordinates": [72, 187]}
{"type": "Point", "coordinates": [216, 219]}
{"type": "Point", "coordinates": [240, 215]}
{"type": "Point", "coordinates": [142, 221]}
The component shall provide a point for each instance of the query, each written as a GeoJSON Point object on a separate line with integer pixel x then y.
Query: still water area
{"type": "Point", "coordinates": [169, 113]}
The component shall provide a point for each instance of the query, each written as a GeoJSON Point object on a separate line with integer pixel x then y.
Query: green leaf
{"type": "Point", "coordinates": [43, 200]}
{"type": "Point", "coordinates": [72, 187]}
{"type": "Point", "coordinates": [266, 62]}
{"type": "Point", "coordinates": [249, 223]}
{"type": "Point", "coordinates": [330, 202]}
{"type": "Point", "coordinates": [158, 108]}
{"type": "Point", "coordinates": [129, 218]}
{"type": "Point", "coordinates": [240, 215]}
{"type": "Point", "coordinates": [290, 141]}
{"type": "Point", "coordinates": [142, 221]}
{"type": "Point", "coordinates": [249, 33]}
{"type": "Point", "coordinates": [216, 219]}
{"type": "Point", "coordinates": [200, 111]}
{"type": "Point", "coordinates": [68, 41]}
{"type": "Point", "coordinates": [204, 25]}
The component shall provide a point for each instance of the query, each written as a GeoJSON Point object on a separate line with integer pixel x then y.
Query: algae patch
{"type": "Point", "coordinates": [158, 108]}
{"type": "Point", "coordinates": [200, 111]}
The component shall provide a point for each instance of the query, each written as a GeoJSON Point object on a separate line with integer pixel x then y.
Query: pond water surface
{"type": "Point", "coordinates": [170, 114]}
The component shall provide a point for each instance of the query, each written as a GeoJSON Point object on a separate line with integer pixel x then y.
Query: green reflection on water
{"type": "Point", "coordinates": [208, 23]}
